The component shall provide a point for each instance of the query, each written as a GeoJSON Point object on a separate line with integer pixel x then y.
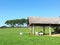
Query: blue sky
{"type": "Point", "coordinates": [16, 9]}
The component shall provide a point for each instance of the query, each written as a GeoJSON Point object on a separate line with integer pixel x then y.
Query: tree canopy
{"type": "Point", "coordinates": [16, 22]}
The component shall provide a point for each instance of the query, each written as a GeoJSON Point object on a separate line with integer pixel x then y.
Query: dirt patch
{"type": "Point", "coordinates": [55, 35]}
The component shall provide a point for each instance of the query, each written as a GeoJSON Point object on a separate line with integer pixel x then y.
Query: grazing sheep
{"type": "Point", "coordinates": [36, 33]}
{"type": "Point", "coordinates": [40, 33]}
{"type": "Point", "coordinates": [21, 33]}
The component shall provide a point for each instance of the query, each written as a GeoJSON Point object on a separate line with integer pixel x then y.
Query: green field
{"type": "Point", "coordinates": [10, 36]}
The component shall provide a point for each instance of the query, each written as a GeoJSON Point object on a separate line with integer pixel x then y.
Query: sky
{"type": "Point", "coordinates": [17, 9]}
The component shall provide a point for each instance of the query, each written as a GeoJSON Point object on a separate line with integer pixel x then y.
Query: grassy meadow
{"type": "Point", "coordinates": [11, 36]}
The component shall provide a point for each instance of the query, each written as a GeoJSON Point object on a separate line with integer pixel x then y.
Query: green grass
{"type": "Point", "coordinates": [10, 36]}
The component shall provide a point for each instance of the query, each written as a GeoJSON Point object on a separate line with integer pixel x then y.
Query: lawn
{"type": "Point", "coordinates": [10, 36]}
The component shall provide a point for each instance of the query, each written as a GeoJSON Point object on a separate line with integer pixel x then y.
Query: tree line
{"type": "Point", "coordinates": [16, 22]}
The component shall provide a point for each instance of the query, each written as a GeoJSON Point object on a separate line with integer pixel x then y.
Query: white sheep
{"type": "Point", "coordinates": [21, 33]}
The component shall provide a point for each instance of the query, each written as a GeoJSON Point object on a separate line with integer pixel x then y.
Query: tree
{"type": "Point", "coordinates": [3, 27]}
{"type": "Point", "coordinates": [10, 23]}
{"type": "Point", "coordinates": [17, 22]}
{"type": "Point", "coordinates": [27, 22]}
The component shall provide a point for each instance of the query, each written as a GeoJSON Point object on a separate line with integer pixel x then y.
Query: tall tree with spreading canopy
{"type": "Point", "coordinates": [17, 22]}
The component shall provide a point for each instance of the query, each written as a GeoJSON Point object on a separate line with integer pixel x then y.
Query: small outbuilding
{"type": "Point", "coordinates": [38, 21]}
